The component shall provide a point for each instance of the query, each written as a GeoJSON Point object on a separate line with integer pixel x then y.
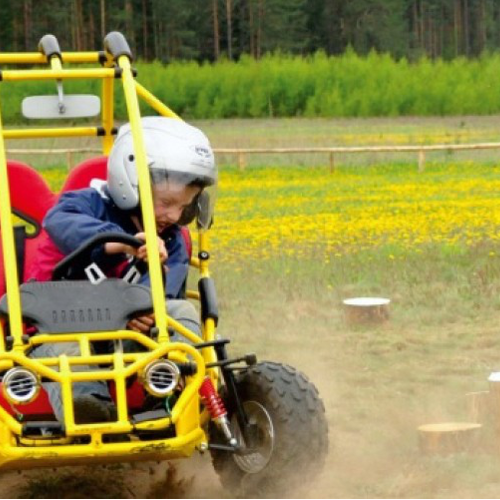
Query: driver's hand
{"type": "Point", "coordinates": [141, 253]}
{"type": "Point", "coordinates": [141, 324]}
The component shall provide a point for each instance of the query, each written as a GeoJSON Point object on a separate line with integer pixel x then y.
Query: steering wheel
{"type": "Point", "coordinates": [73, 266]}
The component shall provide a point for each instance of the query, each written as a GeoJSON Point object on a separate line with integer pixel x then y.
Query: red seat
{"type": "Point", "coordinates": [31, 198]}
{"type": "Point", "coordinates": [80, 176]}
{"type": "Point", "coordinates": [30, 194]}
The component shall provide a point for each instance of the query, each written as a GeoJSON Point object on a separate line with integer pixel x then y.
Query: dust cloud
{"type": "Point", "coordinates": [376, 392]}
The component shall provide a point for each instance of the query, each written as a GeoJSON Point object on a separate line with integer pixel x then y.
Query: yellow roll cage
{"type": "Point", "coordinates": [19, 452]}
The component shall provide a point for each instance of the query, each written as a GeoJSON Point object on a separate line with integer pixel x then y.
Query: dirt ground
{"type": "Point", "coordinates": [378, 385]}
{"type": "Point", "coordinates": [373, 412]}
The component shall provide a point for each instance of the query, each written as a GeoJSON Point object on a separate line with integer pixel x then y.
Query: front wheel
{"type": "Point", "coordinates": [290, 433]}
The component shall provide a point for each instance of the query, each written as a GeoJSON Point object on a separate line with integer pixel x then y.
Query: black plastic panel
{"type": "Point", "coordinates": [80, 306]}
{"type": "Point", "coordinates": [208, 299]}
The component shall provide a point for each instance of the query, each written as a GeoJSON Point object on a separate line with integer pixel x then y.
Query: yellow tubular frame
{"type": "Point", "coordinates": [63, 74]}
{"type": "Point", "coordinates": [155, 103]}
{"type": "Point", "coordinates": [107, 115]}
{"type": "Point", "coordinates": [9, 251]}
{"type": "Point", "coordinates": [154, 264]}
{"type": "Point", "coordinates": [17, 451]}
{"type": "Point", "coordinates": [36, 133]}
{"type": "Point", "coordinates": [39, 58]}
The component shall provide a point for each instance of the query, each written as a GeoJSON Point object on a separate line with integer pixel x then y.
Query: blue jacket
{"type": "Point", "coordinates": [80, 215]}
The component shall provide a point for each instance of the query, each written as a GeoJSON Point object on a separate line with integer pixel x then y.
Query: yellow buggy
{"type": "Point", "coordinates": [263, 423]}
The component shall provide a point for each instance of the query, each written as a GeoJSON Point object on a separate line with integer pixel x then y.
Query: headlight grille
{"type": "Point", "coordinates": [20, 385]}
{"type": "Point", "coordinates": [161, 377]}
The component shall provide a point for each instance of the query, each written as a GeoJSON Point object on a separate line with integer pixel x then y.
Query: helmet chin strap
{"type": "Point", "coordinates": [137, 223]}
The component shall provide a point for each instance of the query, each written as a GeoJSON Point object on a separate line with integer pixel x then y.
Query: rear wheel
{"type": "Point", "coordinates": [290, 433]}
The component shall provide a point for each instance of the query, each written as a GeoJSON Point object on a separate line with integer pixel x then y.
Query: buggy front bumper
{"type": "Point", "coordinates": [83, 443]}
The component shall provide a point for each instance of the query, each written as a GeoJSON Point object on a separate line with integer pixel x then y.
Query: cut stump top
{"type": "Point", "coordinates": [449, 427]}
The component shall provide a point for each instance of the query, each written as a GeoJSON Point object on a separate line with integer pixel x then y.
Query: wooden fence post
{"type": "Point", "coordinates": [69, 160]}
{"type": "Point", "coordinates": [332, 163]}
{"type": "Point", "coordinates": [421, 160]}
{"type": "Point", "coordinates": [242, 161]}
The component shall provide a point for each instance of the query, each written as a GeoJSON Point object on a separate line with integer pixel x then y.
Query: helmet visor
{"type": "Point", "coordinates": [187, 196]}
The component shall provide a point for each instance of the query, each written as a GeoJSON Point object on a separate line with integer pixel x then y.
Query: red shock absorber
{"type": "Point", "coordinates": [212, 400]}
{"type": "Point", "coordinates": [217, 410]}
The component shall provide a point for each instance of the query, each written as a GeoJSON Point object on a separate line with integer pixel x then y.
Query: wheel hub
{"type": "Point", "coordinates": [254, 456]}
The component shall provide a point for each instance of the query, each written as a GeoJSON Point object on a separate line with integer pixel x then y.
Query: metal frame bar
{"type": "Point", "coordinates": [50, 74]}
{"type": "Point", "coordinates": [145, 193]}
{"type": "Point", "coordinates": [39, 58]}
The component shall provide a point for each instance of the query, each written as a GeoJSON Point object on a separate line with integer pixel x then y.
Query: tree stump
{"type": "Point", "coordinates": [448, 438]}
{"type": "Point", "coordinates": [366, 310]}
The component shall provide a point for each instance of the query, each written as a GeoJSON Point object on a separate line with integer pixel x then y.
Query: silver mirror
{"type": "Point", "coordinates": [69, 106]}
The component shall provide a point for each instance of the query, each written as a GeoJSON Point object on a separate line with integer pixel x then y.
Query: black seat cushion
{"type": "Point", "coordinates": [80, 306]}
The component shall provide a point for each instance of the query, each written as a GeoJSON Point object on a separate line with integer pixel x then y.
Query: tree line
{"type": "Point", "coordinates": [202, 30]}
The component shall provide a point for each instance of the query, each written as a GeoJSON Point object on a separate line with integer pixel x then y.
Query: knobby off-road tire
{"type": "Point", "coordinates": [293, 433]}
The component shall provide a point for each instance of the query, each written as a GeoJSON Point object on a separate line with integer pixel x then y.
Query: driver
{"type": "Point", "coordinates": [181, 165]}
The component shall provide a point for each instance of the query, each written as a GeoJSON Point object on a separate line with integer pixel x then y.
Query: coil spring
{"type": "Point", "coordinates": [211, 399]}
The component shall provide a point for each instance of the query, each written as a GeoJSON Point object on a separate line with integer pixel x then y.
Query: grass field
{"type": "Point", "coordinates": [290, 243]}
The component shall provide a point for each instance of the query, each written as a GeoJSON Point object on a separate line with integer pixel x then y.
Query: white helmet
{"type": "Point", "coordinates": [174, 150]}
